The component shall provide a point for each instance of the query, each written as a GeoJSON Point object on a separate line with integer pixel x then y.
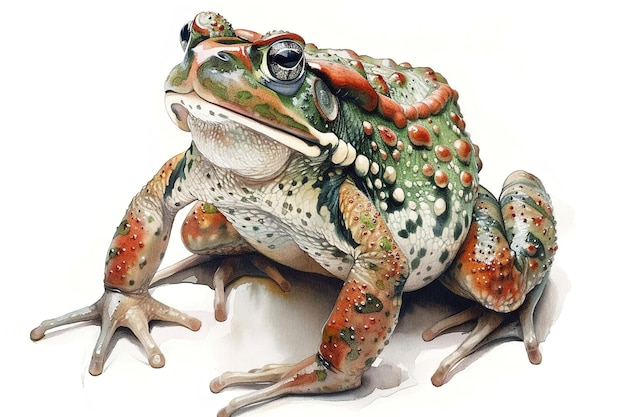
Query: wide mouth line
{"type": "Point", "coordinates": [191, 105]}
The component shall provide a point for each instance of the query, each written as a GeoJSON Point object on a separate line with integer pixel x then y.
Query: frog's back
{"type": "Point", "coordinates": [414, 158]}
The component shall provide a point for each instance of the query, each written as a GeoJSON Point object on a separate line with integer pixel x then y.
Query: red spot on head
{"type": "Point", "coordinates": [466, 179]}
{"type": "Point", "coordinates": [388, 136]}
{"type": "Point", "coordinates": [443, 153]}
{"type": "Point", "coordinates": [457, 120]}
{"type": "Point", "coordinates": [379, 83]}
{"type": "Point", "coordinates": [398, 78]}
{"type": "Point", "coordinates": [441, 179]}
{"type": "Point", "coordinates": [463, 150]}
{"type": "Point", "coordinates": [428, 170]}
{"type": "Point", "coordinates": [419, 136]}
{"type": "Point", "coordinates": [368, 128]}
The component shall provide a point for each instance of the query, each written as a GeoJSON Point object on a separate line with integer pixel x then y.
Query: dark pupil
{"type": "Point", "coordinates": [287, 58]}
{"type": "Point", "coordinates": [185, 33]}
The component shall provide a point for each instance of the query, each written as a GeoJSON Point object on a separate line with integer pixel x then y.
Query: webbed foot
{"type": "Point", "coordinates": [117, 309]}
{"type": "Point", "coordinates": [484, 332]}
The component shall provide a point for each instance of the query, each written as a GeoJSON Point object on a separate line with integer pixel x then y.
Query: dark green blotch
{"type": "Point", "coordinates": [113, 252]}
{"type": "Point", "coordinates": [415, 263]}
{"type": "Point", "coordinates": [347, 336]}
{"type": "Point", "coordinates": [243, 95]}
{"type": "Point", "coordinates": [411, 226]}
{"type": "Point", "coordinates": [123, 228]}
{"type": "Point", "coordinates": [372, 305]}
{"type": "Point", "coordinates": [457, 230]}
{"type": "Point", "coordinates": [369, 361]}
{"type": "Point", "coordinates": [444, 256]}
{"type": "Point", "coordinates": [178, 172]}
{"type": "Point", "coordinates": [398, 287]}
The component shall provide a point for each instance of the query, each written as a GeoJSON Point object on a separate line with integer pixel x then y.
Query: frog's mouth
{"type": "Point", "coordinates": [183, 106]}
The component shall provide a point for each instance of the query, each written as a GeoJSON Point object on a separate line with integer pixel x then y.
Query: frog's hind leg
{"type": "Point", "coordinates": [491, 327]}
{"type": "Point", "coordinates": [487, 322]}
{"type": "Point", "coordinates": [217, 272]}
{"type": "Point", "coordinates": [221, 256]}
{"type": "Point", "coordinates": [504, 280]}
{"type": "Point", "coordinates": [527, 321]}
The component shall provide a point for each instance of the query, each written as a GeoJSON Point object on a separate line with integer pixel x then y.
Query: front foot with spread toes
{"type": "Point", "coordinates": [117, 309]}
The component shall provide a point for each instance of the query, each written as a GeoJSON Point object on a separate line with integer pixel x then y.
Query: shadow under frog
{"type": "Point", "coordinates": [252, 299]}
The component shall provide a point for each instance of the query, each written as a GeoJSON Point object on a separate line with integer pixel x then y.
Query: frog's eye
{"type": "Point", "coordinates": [185, 35]}
{"type": "Point", "coordinates": [283, 66]}
{"type": "Point", "coordinates": [285, 60]}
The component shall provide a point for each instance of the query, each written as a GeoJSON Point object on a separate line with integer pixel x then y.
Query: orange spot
{"type": "Point", "coordinates": [466, 179]}
{"type": "Point", "coordinates": [368, 128]}
{"type": "Point", "coordinates": [398, 78]}
{"type": "Point", "coordinates": [428, 170]}
{"type": "Point", "coordinates": [419, 136]}
{"type": "Point", "coordinates": [443, 153]}
{"type": "Point", "coordinates": [441, 179]}
{"type": "Point", "coordinates": [463, 150]}
{"type": "Point", "coordinates": [457, 120]}
{"type": "Point", "coordinates": [388, 136]}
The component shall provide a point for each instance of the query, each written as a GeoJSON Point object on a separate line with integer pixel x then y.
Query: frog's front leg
{"type": "Point", "coordinates": [133, 258]}
{"type": "Point", "coordinates": [360, 324]}
{"type": "Point", "coordinates": [503, 265]}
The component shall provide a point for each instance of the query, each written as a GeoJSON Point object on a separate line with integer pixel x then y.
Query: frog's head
{"type": "Point", "coordinates": [250, 101]}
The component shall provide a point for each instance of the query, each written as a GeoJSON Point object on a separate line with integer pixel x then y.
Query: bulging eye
{"type": "Point", "coordinates": [185, 35]}
{"type": "Point", "coordinates": [285, 60]}
{"type": "Point", "coordinates": [283, 66]}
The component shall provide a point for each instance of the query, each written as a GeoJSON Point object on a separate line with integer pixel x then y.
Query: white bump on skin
{"type": "Point", "coordinates": [361, 165]}
{"type": "Point", "coordinates": [390, 175]}
{"type": "Point", "coordinates": [439, 206]}
{"type": "Point", "coordinates": [398, 195]}
{"type": "Point", "coordinates": [340, 153]}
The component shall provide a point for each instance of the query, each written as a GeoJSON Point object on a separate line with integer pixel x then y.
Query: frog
{"type": "Point", "coordinates": [329, 163]}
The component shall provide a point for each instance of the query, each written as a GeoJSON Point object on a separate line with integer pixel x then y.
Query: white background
{"type": "Point", "coordinates": [84, 127]}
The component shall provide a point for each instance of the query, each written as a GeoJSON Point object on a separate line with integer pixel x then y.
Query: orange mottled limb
{"type": "Point", "coordinates": [484, 268]}
{"type": "Point", "coordinates": [141, 238]}
{"type": "Point", "coordinates": [360, 324]}
{"type": "Point", "coordinates": [133, 258]}
{"type": "Point", "coordinates": [367, 308]}
{"type": "Point", "coordinates": [504, 265]}
{"type": "Point", "coordinates": [206, 231]}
